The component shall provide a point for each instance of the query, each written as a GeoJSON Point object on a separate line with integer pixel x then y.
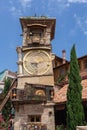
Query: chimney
{"type": "Point", "coordinates": [64, 56]}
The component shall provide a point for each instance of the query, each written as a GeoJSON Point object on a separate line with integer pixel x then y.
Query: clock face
{"type": "Point", "coordinates": [36, 62]}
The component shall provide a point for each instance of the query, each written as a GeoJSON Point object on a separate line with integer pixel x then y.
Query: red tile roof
{"type": "Point", "coordinates": [60, 95]}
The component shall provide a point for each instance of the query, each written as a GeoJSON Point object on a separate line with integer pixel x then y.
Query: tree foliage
{"type": "Point", "coordinates": [75, 112]}
{"type": "Point", "coordinates": [7, 108]}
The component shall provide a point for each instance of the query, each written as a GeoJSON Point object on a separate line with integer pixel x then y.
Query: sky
{"type": "Point", "coordinates": [71, 26]}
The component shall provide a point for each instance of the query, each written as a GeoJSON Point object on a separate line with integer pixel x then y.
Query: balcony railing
{"type": "Point", "coordinates": [22, 96]}
{"type": "Point", "coordinates": [35, 39]}
{"type": "Point", "coordinates": [32, 98]}
{"type": "Point", "coordinates": [34, 126]}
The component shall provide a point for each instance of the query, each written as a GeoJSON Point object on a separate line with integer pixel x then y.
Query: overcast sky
{"type": "Point", "coordinates": [71, 26]}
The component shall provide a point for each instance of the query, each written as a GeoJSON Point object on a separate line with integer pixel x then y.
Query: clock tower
{"type": "Point", "coordinates": [35, 56]}
{"type": "Point", "coordinates": [33, 104]}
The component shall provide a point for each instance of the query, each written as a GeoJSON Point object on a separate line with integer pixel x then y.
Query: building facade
{"type": "Point", "coordinates": [4, 75]}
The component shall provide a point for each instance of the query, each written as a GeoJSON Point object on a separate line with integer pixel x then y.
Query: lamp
{"type": "Point", "coordinates": [14, 93]}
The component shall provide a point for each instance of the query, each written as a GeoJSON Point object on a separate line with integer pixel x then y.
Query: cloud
{"type": "Point", "coordinates": [25, 3]}
{"type": "Point", "coordinates": [77, 1]}
{"type": "Point", "coordinates": [15, 11]}
{"type": "Point", "coordinates": [82, 23]}
{"type": "Point", "coordinates": [19, 7]}
{"type": "Point", "coordinates": [48, 7]}
{"type": "Point", "coordinates": [57, 6]}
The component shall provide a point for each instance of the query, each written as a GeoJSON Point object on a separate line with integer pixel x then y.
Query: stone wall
{"type": "Point", "coordinates": [43, 80]}
{"type": "Point", "coordinates": [45, 110]}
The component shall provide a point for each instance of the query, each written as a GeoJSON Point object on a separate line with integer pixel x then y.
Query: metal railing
{"type": "Point", "coordinates": [34, 126]}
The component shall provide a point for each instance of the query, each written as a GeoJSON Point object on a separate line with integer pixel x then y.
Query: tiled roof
{"type": "Point", "coordinates": [60, 95]}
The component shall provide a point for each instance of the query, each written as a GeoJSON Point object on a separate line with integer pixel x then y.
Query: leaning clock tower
{"type": "Point", "coordinates": [33, 101]}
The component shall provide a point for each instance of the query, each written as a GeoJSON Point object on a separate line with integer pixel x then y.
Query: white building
{"type": "Point", "coordinates": [4, 75]}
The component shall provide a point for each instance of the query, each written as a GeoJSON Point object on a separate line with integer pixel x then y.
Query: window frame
{"type": "Point", "coordinates": [34, 117]}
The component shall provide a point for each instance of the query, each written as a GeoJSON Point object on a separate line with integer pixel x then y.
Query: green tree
{"type": "Point", "coordinates": [7, 108]}
{"type": "Point", "coordinates": [75, 112]}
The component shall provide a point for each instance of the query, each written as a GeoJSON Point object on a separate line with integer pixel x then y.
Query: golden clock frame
{"type": "Point", "coordinates": [36, 51]}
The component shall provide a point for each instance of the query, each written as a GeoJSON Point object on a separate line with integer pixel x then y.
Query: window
{"type": "Point", "coordinates": [85, 63]}
{"type": "Point", "coordinates": [34, 118]}
{"type": "Point", "coordinates": [62, 71]}
{"type": "Point", "coordinates": [79, 63]}
{"type": "Point", "coordinates": [56, 63]}
{"type": "Point", "coordinates": [37, 32]}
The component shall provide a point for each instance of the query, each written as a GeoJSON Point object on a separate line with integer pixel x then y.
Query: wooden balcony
{"type": "Point", "coordinates": [22, 96]}
{"type": "Point", "coordinates": [32, 98]}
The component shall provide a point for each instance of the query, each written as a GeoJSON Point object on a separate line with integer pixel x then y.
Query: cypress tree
{"type": "Point", "coordinates": [75, 112]}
